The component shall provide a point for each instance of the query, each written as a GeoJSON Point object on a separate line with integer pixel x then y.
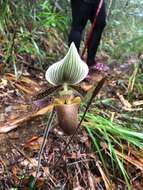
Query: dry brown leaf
{"type": "Point", "coordinates": [44, 110]}
{"type": "Point", "coordinates": [29, 91]}
{"type": "Point", "coordinates": [90, 180]}
{"type": "Point", "coordinates": [138, 154]}
{"type": "Point", "coordinates": [77, 185]}
{"type": "Point", "coordinates": [96, 77]}
{"type": "Point", "coordinates": [29, 81]}
{"type": "Point", "coordinates": [86, 87]}
{"type": "Point", "coordinates": [3, 82]}
{"type": "Point", "coordinates": [23, 83]}
{"type": "Point", "coordinates": [138, 103]}
{"type": "Point", "coordinates": [30, 161]}
{"type": "Point", "coordinates": [113, 116]}
{"type": "Point", "coordinates": [124, 101]}
{"type": "Point", "coordinates": [11, 77]}
{"type": "Point", "coordinates": [34, 143]}
{"type": "Point", "coordinates": [13, 116]}
{"type": "Point", "coordinates": [131, 160]}
{"type": "Point", "coordinates": [14, 170]}
{"type": "Point", "coordinates": [12, 124]}
{"type": "Point", "coordinates": [107, 183]}
{"type": "Point", "coordinates": [131, 109]}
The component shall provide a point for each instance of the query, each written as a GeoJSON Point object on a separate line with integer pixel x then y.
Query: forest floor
{"type": "Point", "coordinates": [22, 124]}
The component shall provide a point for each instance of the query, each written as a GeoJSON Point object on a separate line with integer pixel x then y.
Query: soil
{"type": "Point", "coordinates": [19, 147]}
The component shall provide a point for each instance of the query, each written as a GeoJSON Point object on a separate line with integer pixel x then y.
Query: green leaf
{"type": "Point", "coordinates": [71, 69]}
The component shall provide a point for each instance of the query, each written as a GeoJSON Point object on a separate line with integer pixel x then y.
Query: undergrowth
{"type": "Point", "coordinates": [124, 31]}
{"type": "Point", "coordinates": [110, 138]}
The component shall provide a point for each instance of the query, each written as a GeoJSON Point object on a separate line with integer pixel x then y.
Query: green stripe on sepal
{"type": "Point", "coordinates": [71, 69]}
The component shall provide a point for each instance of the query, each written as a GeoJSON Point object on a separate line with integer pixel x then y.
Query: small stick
{"type": "Point", "coordinates": [22, 153]}
{"type": "Point", "coordinates": [45, 135]}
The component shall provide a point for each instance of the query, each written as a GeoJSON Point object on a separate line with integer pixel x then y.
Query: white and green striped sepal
{"type": "Point", "coordinates": [70, 70]}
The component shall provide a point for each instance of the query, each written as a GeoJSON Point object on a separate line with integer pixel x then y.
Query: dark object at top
{"type": "Point", "coordinates": [89, 1]}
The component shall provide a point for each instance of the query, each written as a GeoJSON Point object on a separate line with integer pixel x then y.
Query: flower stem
{"type": "Point", "coordinates": [65, 86]}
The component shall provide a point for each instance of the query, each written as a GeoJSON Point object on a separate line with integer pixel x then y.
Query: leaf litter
{"type": "Point", "coordinates": [22, 124]}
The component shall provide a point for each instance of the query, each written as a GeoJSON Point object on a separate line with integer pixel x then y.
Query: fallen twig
{"type": "Point", "coordinates": [130, 118]}
{"type": "Point", "coordinates": [138, 103]}
{"type": "Point", "coordinates": [46, 132]}
{"type": "Point", "coordinates": [123, 100]}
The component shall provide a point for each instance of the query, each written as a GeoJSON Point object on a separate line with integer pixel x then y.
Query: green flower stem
{"type": "Point", "coordinates": [65, 87]}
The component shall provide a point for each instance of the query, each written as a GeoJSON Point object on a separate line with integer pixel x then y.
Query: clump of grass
{"type": "Point", "coordinates": [114, 136]}
{"type": "Point", "coordinates": [32, 29]}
